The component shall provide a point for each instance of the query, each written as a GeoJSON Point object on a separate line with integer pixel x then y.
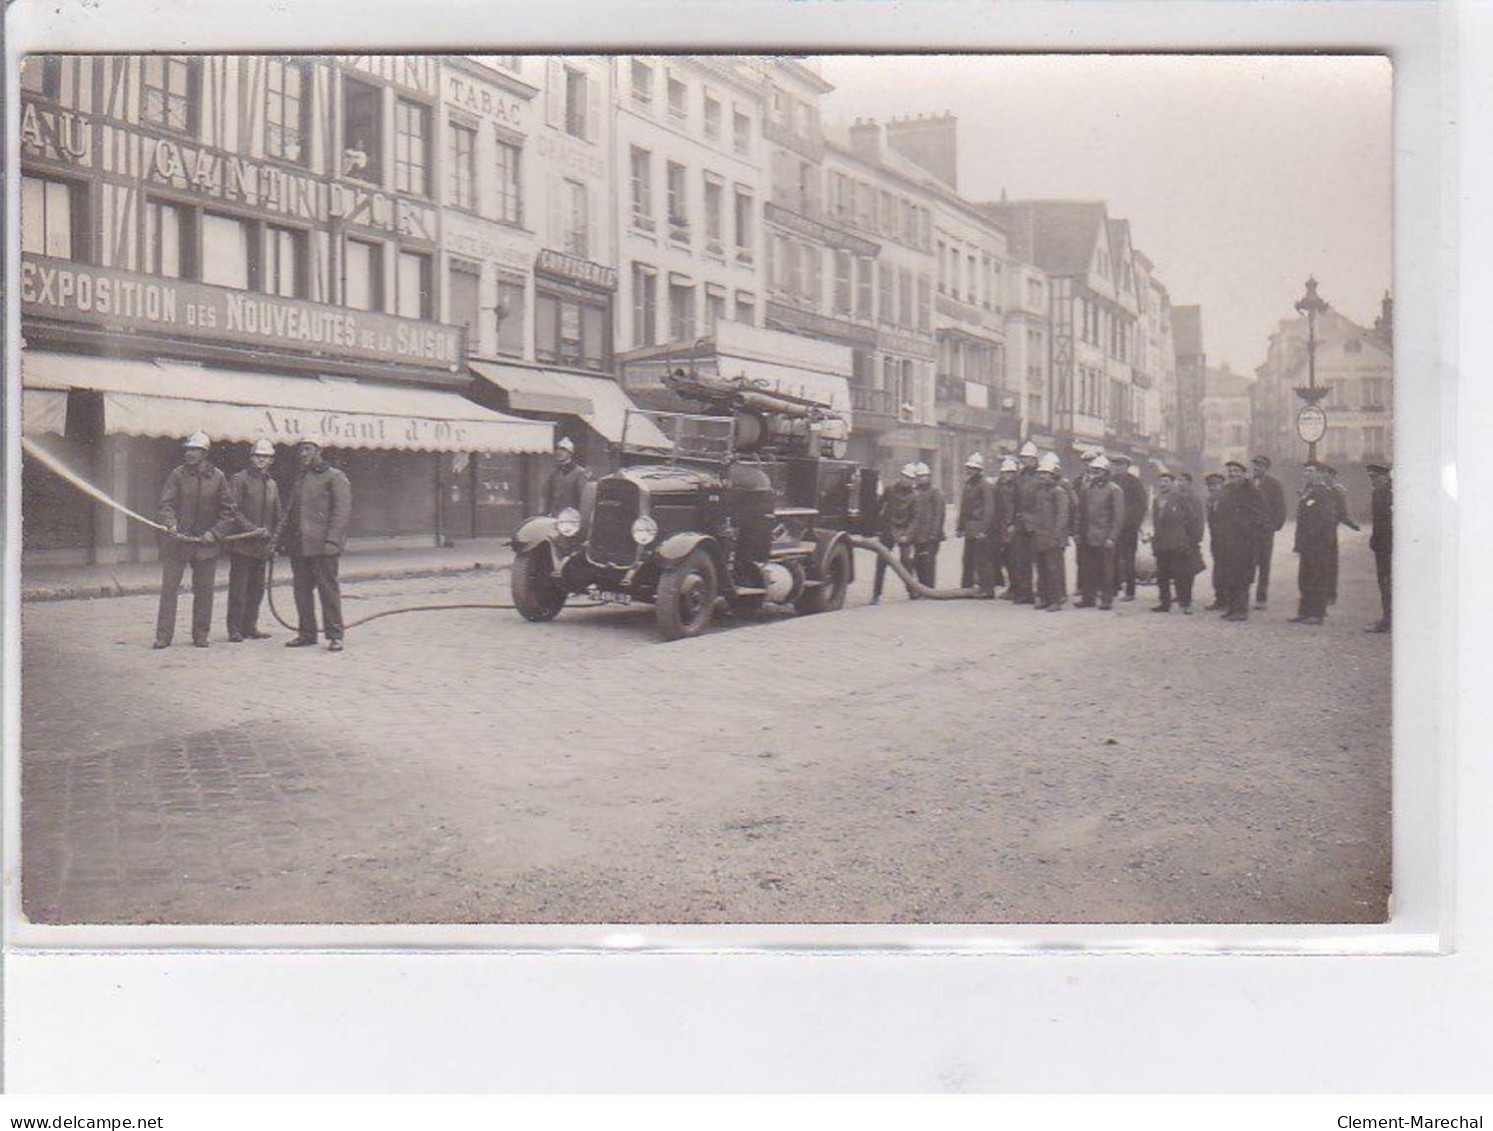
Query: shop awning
{"type": "Point", "coordinates": [531, 390]}
{"type": "Point", "coordinates": [43, 411]}
{"type": "Point", "coordinates": [609, 405]}
{"type": "Point", "coordinates": [152, 398]}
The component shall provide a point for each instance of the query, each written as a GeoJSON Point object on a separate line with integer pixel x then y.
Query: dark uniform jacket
{"type": "Point", "coordinates": [1028, 483]}
{"type": "Point", "coordinates": [1135, 501]}
{"type": "Point", "coordinates": [1176, 522]}
{"type": "Point", "coordinates": [1101, 512]}
{"type": "Point", "coordinates": [1005, 503]}
{"type": "Point", "coordinates": [1238, 519]}
{"type": "Point", "coordinates": [1274, 498]}
{"type": "Point", "coordinates": [1051, 517]}
{"type": "Point", "coordinates": [196, 501]}
{"type": "Point", "coordinates": [927, 515]}
{"type": "Point", "coordinates": [1316, 520]}
{"type": "Point", "coordinates": [256, 498]}
{"type": "Point", "coordinates": [1074, 517]}
{"type": "Point", "coordinates": [897, 510]}
{"type": "Point", "coordinates": [1381, 541]}
{"type": "Point", "coordinates": [563, 488]}
{"type": "Point", "coordinates": [320, 505]}
{"type": "Point", "coordinates": [978, 510]}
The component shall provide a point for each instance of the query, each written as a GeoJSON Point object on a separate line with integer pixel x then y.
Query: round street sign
{"type": "Point", "coordinates": [1311, 423]}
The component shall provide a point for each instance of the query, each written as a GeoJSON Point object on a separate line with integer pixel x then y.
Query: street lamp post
{"type": "Point", "coordinates": [1311, 304]}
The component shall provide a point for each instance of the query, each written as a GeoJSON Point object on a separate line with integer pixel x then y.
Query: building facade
{"type": "Point", "coordinates": [1226, 418]}
{"type": "Point", "coordinates": [1192, 361]}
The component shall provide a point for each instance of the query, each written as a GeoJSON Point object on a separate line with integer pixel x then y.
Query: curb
{"type": "Point", "coordinates": [137, 589]}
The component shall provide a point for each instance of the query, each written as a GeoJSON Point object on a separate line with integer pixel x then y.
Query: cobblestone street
{"type": "Point", "coordinates": [928, 762]}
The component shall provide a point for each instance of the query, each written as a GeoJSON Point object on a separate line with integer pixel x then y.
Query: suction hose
{"type": "Point", "coordinates": [908, 577]}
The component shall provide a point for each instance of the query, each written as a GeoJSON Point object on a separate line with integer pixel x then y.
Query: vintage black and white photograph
{"type": "Point", "coordinates": [638, 489]}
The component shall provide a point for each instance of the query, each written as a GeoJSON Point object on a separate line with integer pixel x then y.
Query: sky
{"type": "Point", "coordinates": [1240, 175]}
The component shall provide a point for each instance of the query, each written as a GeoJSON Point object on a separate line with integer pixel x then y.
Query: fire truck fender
{"type": "Point", "coordinates": [827, 542]}
{"type": "Point", "coordinates": [677, 547]}
{"type": "Point", "coordinates": [534, 532]}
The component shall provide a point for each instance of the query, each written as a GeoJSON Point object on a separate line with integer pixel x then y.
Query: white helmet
{"type": "Point", "coordinates": [1010, 464]}
{"type": "Point", "coordinates": [262, 447]}
{"type": "Point", "coordinates": [1049, 462]}
{"type": "Point", "coordinates": [909, 471]}
{"type": "Point", "coordinates": [566, 444]}
{"type": "Point", "coordinates": [1028, 449]}
{"type": "Point", "coordinates": [923, 469]}
{"type": "Point", "coordinates": [1099, 463]}
{"type": "Point", "coordinates": [975, 460]}
{"type": "Point", "coordinates": [198, 439]}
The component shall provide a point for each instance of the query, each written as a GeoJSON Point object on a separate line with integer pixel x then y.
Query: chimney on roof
{"type": "Point", "coordinates": [865, 139]}
{"type": "Point", "coordinates": [1386, 320]}
{"type": "Point", "coordinates": [931, 141]}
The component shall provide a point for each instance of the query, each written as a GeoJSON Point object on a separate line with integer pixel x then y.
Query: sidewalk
{"type": "Point", "coordinates": [62, 583]}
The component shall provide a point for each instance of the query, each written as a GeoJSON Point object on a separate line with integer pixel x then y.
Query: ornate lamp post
{"type": "Point", "coordinates": [1311, 420]}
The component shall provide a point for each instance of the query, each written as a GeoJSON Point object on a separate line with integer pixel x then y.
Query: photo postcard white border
{"type": "Point", "coordinates": [51, 972]}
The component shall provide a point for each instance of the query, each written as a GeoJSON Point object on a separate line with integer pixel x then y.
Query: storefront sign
{"type": "Point", "coordinates": [55, 134]}
{"type": "Point", "coordinates": [565, 156]}
{"type": "Point", "coordinates": [363, 430]}
{"type": "Point", "coordinates": [123, 301]}
{"type": "Point", "coordinates": [265, 186]}
{"type": "Point", "coordinates": [486, 240]}
{"type": "Point", "coordinates": [826, 234]}
{"type": "Point", "coordinates": [576, 269]}
{"type": "Point", "coordinates": [485, 101]}
{"type": "Point", "coordinates": [905, 345]}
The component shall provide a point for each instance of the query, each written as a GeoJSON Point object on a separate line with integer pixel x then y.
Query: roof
{"type": "Point", "coordinates": [1225, 383]}
{"type": "Point", "coordinates": [1187, 329]}
{"type": "Point", "coordinates": [1057, 235]}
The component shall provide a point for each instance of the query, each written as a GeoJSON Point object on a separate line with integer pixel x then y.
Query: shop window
{"type": "Point", "coordinates": [362, 131]}
{"type": "Point", "coordinates": [168, 238]}
{"type": "Point", "coordinates": [681, 312]}
{"type": "Point", "coordinates": [411, 147]}
{"type": "Point", "coordinates": [169, 92]}
{"type": "Point", "coordinates": [285, 262]}
{"type": "Point", "coordinates": [363, 275]}
{"type": "Point", "coordinates": [285, 109]}
{"type": "Point", "coordinates": [412, 290]}
{"type": "Point", "coordinates": [510, 194]}
{"type": "Point", "coordinates": [463, 161]}
{"type": "Point", "coordinates": [53, 217]}
{"type": "Point", "coordinates": [227, 251]}
{"type": "Point", "coordinates": [572, 331]}
{"type": "Point", "coordinates": [464, 287]}
{"type": "Point", "coordinates": [510, 316]}
{"type": "Point", "coordinates": [644, 305]}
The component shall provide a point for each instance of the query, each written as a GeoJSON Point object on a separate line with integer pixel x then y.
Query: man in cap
{"type": "Point", "coordinates": [1051, 527]}
{"type": "Point", "coordinates": [1005, 518]}
{"type": "Point", "coordinates": [976, 523]}
{"type": "Point", "coordinates": [1176, 530]}
{"type": "Point", "coordinates": [1238, 519]}
{"type": "Point", "coordinates": [315, 531]}
{"type": "Point", "coordinates": [1134, 491]}
{"type": "Point", "coordinates": [1101, 516]}
{"type": "Point", "coordinates": [256, 499]}
{"type": "Point", "coordinates": [1274, 499]}
{"type": "Point", "coordinates": [895, 528]}
{"type": "Point", "coordinates": [1021, 555]}
{"type": "Point", "coordinates": [562, 490]}
{"type": "Point", "coordinates": [1316, 544]}
{"type": "Point", "coordinates": [927, 525]}
{"type": "Point", "coordinates": [1381, 539]}
{"type": "Point", "coordinates": [1340, 496]}
{"type": "Point", "coordinates": [197, 512]}
{"type": "Point", "coordinates": [1213, 484]}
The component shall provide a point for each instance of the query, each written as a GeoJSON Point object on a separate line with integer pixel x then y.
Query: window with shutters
{"type": "Point", "coordinates": [678, 202]}
{"type": "Point", "coordinates": [412, 294]}
{"type": "Point", "coordinates": [715, 308]}
{"type": "Point", "coordinates": [169, 240]}
{"type": "Point", "coordinates": [746, 230]}
{"type": "Point", "coordinates": [844, 268]}
{"type": "Point", "coordinates": [577, 216]}
{"type": "Point", "coordinates": [411, 147]}
{"type": "Point", "coordinates": [715, 196]}
{"type": "Point", "coordinates": [681, 312]}
{"type": "Point", "coordinates": [813, 259]}
{"type": "Point", "coordinates": [904, 298]}
{"type": "Point", "coordinates": [640, 163]}
{"type": "Point", "coordinates": [286, 108]}
{"type": "Point", "coordinates": [886, 296]}
{"type": "Point", "coordinates": [509, 315]}
{"type": "Point", "coordinates": [228, 246]}
{"type": "Point", "coordinates": [362, 275]}
{"type": "Point", "coordinates": [462, 159]}
{"type": "Point", "coordinates": [285, 262]}
{"type": "Point", "coordinates": [865, 286]}
{"type": "Point", "coordinates": [362, 131]}
{"type": "Point", "coordinates": [464, 290]}
{"type": "Point", "coordinates": [924, 302]}
{"type": "Point", "coordinates": [746, 308]}
{"type": "Point", "coordinates": [642, 84]}
{"type": "Point", "coordinates": [50, 219]}
{"type": "Point", "coordinates": [712, 115]}
{"type": "Point", "coordinates": [168, 92]}
{"type": "Point", "coordinates": [678, 99]}
{"type": "Point", "coordinates": [942, 277]}
{"type": "Point", "coordinates": [510, 201]}
{"type": "Point", "coordinates": [644, 305]}
{"type": "Point", "coordinates": [741, 132]}
{"type": "Point", "coordinates": [577, 98]}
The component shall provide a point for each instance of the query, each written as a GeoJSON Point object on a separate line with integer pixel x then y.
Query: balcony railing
{"type": "Point", "coordinates": [882, 402]}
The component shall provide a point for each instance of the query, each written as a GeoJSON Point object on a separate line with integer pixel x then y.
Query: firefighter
{"type": "Point", "coordinates": [1005, 513]}
{"type": "Point", "coordinates": [896, 526]}
{"type": "Point", "coordinates": [1340, 497]}
{"type": "Point", "coordinates": [1317, 517]}
{"type": "Point", "coordinates": [1127, 475]}
{"type": "Point", "coordinates": [1381, 540]}
{"type": "Point", "coordinates": [1051, 527]}
{"type": "Point", "coordinates": [1274, 499]}
{"type": "Point", "coordinates": [1238, 519]}
{"type": "Point", "coordinates": [1021, 555]}
{"type": "Point", "coordinates": [975, 523]}
{"type": "Point", "coordinates": [315, 530]}
{"type": "Point", "coordinates": [562, 490]}
{"type": "Point", "coordinates": [927, 525]}
{"type": "Point", "coordinates": [256, 498]}
{"type": "Point", "coordinates": [1101, 517]}
{"type": "Point", "coordinates": [196, 510]}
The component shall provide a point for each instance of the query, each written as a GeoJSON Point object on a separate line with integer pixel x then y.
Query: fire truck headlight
{"type": "Point", "coordinates": [568, 522]}
{"type": "Point", "coordinates": [644, 530]}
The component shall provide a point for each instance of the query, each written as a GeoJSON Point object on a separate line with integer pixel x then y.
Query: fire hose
{"type": "Point", "coordinates": [886, 554]}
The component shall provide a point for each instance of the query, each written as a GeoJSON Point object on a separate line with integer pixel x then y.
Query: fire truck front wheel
{"type": "Point", "coordinates": [686, 596]}
{"type": "Point", "coordinates": [536, 594]}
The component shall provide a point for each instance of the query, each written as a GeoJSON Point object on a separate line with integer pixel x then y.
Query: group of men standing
{"type": "Point", "coordinates": [1019, 524]}
{"type": "Point", "coordinates": [202, 512]}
